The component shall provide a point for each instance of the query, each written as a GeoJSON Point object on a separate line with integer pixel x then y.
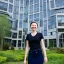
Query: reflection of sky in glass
{"type": "Point", "coordinates": [60, 19]}
{"type": "Point", "coordinates": [3, 6]}
{"type": "Point", "coordinates": [59, 3]}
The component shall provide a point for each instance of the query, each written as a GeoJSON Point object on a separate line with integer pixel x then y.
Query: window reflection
{"type": "Point", "coordinates": [60, 20]}
{"type": "Point", "coordinates": [10, 8]}
{"type": "Point", "coordinates": [59, 3]}
{"type": "Point", "coordinates": [3, 6]}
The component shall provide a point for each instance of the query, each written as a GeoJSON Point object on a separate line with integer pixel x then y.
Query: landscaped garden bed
{"type": "Point", "coordinates": [17, 56]}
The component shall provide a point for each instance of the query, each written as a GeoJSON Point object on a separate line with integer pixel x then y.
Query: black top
{"type": "Point", "coordinates": [34, 41]}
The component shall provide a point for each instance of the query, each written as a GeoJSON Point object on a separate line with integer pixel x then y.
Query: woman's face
{"type": "Point", "coordinates": [33, 26]}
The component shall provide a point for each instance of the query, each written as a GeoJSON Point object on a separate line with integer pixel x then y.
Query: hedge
{"type": "Point", "coordinates": [57, 49]}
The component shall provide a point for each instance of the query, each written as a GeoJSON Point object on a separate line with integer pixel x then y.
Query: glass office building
{"type": "Point", "coordinates": [53, 19]}
{"type": "Point", "coordinates": [35, 10]}
{"type": "Point", "coordinates": [49, 14]}
{"type": "Point", "coordinates": [18, 17]}
{"type": "Point", "coordinates": [21, 14]}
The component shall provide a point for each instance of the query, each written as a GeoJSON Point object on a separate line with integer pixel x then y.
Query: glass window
{"type": "Point", "coordinates": [16, 9]}
{"type": "Point", "coordinates": [30, 16]}
{"type": "Point", "coordinates": [30, 20]}
{"type": "Point", "coordinates": [14, 43]}
{"type": "Point", "coordinates": [6, 0]}
{"type": "Point", "coordinates": [25, 3]}
{"type": "Point", "coordinates": [31, 9]}
{"type": "Point", "coordinates": [40, 8]}
{"type": "Point", "coordinates": [16, 3]}
{"type": "Point", "coordinates": [21, 9]}
{"type": "Point", "coordinates": [21, 3]}
{"type": "Point", "coordinates": [25, 25]}
{"type": "Point", "coordinates": [63, 35]}
{"type": "Point", "coordinates": [52, 22]}
{"type": "Point", "coordinates": [15, 16]}
{"type": "Point", "coordinates": [59, 3]}
{"type": "Point", "coordinates": [44, 9]}
{"type": "Point", "coordinates": [20, 24]}
{"type": "Point", "coordinates": [36, 15]}
{"type": "Point", "coordinates": [41, 5]}
{"type": "Point", "coordinates": [44, 6]}
{"type": "Point", "coordinates": [14, 25]}
{"type": "Point", "coordinates": [41, 15]}
{"type": "Point", "coordinates": [36, 8]}
{"type": "Point", "coordinates": [36, 1]}
{"type": "Point", "coordinates": [21, 16]}
{"type": "Point", "coordinates": [52, 3]}
{"type": "Point", "coordinates": [60, 42]}
{"type": "Point", "coordinates": [31, 2]}
{"type": "Point", "coordinates": [45, 33]}
{"type": "Point", "coordinates": [10, 8]}
{"type": "Point", "coordinates": [41, 23]}
{"type": "Point", "coordinates": [60, 20]}
{"type": "Point", "coordinates": [11, 1]}
{"type": "Point", "coordinates": [3, 6]}
{"type": "Point", "coordinates": [45, 25]}
{"type": "Point", "coordinates": [26, 16]}
{"type": "Point", "coordinates": [41, 2]}
{"type": "Point", "coordinates": [44, 14]}
{"type": "Point", "coordinates": [19, 43]}
{"type": "Point", "coordinates": [36, 19]}
{"type": "Point", "coordinates": [14, 35]}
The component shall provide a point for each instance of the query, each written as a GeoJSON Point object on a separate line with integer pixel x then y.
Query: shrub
{"type": "Point", "coordinates": [53, 48]}
{"type": "Point", "coordinates": [2, 59]}
{"type": "Point", "coordinates": [12, 47]}
{"type": "Point", "coordinates": [60, 50]}
{"type": "Point", "coordinates": [6, 46]}
{"type": "Point", "coordinates": [55, 58]}
{"type": "Point", "coordinates": [13, 55]}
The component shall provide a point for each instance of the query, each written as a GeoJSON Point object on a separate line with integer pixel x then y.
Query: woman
{"type": "Point", "coordinates": [35, 46]}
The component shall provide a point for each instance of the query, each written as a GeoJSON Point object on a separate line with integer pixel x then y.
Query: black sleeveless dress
{"type": "Point", "coordinates": [35, 55]}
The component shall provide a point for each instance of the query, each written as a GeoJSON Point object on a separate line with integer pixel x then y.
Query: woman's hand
{"type": "Point", "coordinates": [25, 61]}
{"type": "Point", "coordinates": [45, 60]}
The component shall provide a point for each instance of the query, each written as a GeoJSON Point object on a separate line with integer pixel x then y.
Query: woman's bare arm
{"type": "Point", "coordinates": [43, 47]}
{"type": "Point", "coordinates": [44, 50]}
{"type": "Point", "coordinates": [26, 50]}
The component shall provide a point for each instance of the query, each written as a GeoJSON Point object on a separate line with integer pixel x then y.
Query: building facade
{"type": "Point", "coordinates": [21, 14]}
{"type": "Point", "coordinates": [53, 19]}
{"type": "Point", "coordinates": [49, 14]}
{"type": "Point", "coordinates": [18, 17]}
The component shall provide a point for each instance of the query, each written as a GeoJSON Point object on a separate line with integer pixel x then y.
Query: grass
{"type": "Point", "coordinates": [14, 62]}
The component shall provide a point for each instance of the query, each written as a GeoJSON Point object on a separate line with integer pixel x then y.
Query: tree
{"type": "Point", "coordinates": [4, 28]}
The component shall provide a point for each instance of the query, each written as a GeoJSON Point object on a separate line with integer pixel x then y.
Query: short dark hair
{"type": "Point", "coordinates": [34, 22]}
